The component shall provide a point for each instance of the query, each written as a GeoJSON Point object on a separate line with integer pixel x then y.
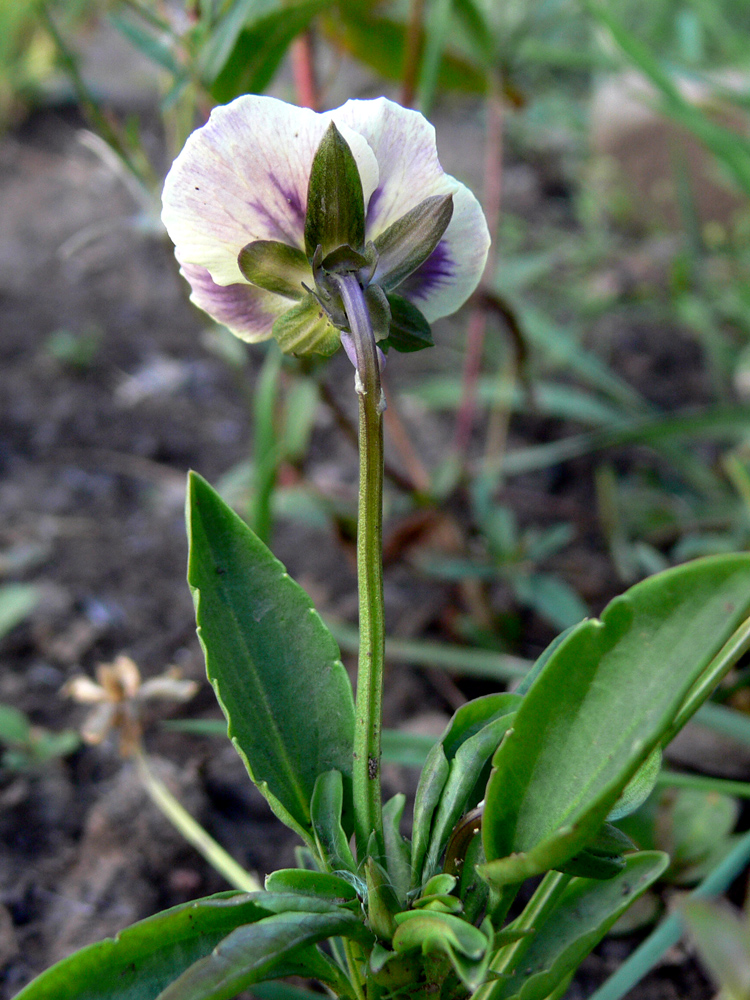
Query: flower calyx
{"type": "Point", "coordinates": [335, 246]}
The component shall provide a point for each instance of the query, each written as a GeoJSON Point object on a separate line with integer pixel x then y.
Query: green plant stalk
{"type": "Point", "coordinates": [722, 786]}
{"type": "Point", "coordinates": [737, 645]}
{"type": "Point", "coordinates": [265, 450]}
{"type": "Point", "coordinates": [192, 831]}
{"type": "Point", "coordinates": [369, 702]}
{"type": "Point", "coordinates": [536, 910]}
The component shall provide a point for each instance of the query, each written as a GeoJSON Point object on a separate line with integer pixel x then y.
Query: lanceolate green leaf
{"type": "Point", "coordinates": [585, 912]}
{"type": "Point", "coordinates": [143, 959]}
{"type": "Point", "coordinates": [259, 951]}
{"type": "Point", "coordinates": [605, 699]}
{"type": "Point", "coordinates": [469, 720]}
{"type": "Point", "coordinates": [266, 650]}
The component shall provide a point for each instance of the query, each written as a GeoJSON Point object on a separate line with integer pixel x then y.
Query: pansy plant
{"type": "Point", "coordinates": [342, 228]}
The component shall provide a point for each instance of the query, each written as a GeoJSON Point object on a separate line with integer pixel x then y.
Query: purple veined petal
{"type": "Point", "coordinates": [243, 177]}
{"type": "Point", "coordinates": [248, 311]}
{"type": "Point", "coordinates": [404, 144]}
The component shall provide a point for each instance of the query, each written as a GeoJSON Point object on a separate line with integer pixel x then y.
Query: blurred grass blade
{"type": "Point", "coordinates": [720, 421]}
{"type": "Point", "coordinates": [730, 148]}
{"type": "Point", "coordinates": [727, 721]}
{"type": "Point", "coordinates": [457, 659]}
{"type": "Point", "coordinates": [701, 783]}
{"type": "Point", "coordinates": [437, 22]}
{"type": "Point", "coordinates": [669, 932]}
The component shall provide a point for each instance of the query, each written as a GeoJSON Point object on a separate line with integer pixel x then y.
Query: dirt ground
{"type": "Point", "coordinates": [92, 463]}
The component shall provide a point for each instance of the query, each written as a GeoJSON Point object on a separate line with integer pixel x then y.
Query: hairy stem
{"type": "Point", "coordinates": [369, 705]}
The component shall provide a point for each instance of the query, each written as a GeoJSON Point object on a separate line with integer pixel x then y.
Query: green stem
{"type": "Point", "coordinates": [369, 705]}
{"type": "Point", "coordinates": [536, 910]}
{"type": "Point", "coordinates": [735, 647]}
{"type": "Point", "coordinates": [192, 831]}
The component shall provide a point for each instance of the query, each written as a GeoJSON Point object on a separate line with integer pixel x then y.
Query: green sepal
{"type": "Point", "coordinates": [335, 202]}
{"type": "Point", "coordinates": [419, 929]}
{"type": "Point", "coordinates": [327, 808]}
{"type": "Point", "coordinates": [409, 330]}
{"type": "Point", "coordinates": [379, 310]}
{"type": "Point", "coordinates": [278, 268]}
{"type": "Point", "coordinates": [266, 648]}
{"type": "Point", "coordinates": [344, 260]}
{"type": "Point", "coordinates": [443, 904]}
{"type": "Point", "coordinates": [410, 240]}
{"type": "Point", "coordinates": [321, 885]}
{"type": "Point", "coordinates": [393, 970]}
{"type": "Point", "coordinates": [436, 895]}
{"type": "Point", "coordinates": [306, 329]}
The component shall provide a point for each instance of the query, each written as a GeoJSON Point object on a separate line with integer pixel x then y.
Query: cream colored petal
{"type": "Point", "coordinates": [243, 177]}
{"type": "Point", "coordinates": [404, 144]}
{"type": "Point", "coordinates": [84, 690]}
{"type": "Point", "coordinates": [128, 675]}
{"type": "Point", "coordinates": [98, 723]}
{"type": "Point", "coordinates": [168, 689]}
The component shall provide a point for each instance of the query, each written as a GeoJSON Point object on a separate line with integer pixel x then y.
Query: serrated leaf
{"type": "Point", "coordinates": [143, 959]}
{"type": "Point", "coordinates": [585, 912]}
{"type": "Point", "coordinates": [604, 701]}
{"type": "Point", "coordinates": [266, 649]}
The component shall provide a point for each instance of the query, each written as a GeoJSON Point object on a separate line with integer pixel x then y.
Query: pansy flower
{"type": "Point", "coordinates": [267, 201]}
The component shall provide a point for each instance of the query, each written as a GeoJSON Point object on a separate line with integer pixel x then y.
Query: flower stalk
{"type": "Point", "coordinates": [369, 703]}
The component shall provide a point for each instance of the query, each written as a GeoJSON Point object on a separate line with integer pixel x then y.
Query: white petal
{"type": "Point", "coordinates": [404, 144]}
{"type": "Point", "coordinates": [248, 311]}
{"type": "Point", "coordinates": [243, 176]}
{"type": "Point", "coordinates": [82, 689]}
